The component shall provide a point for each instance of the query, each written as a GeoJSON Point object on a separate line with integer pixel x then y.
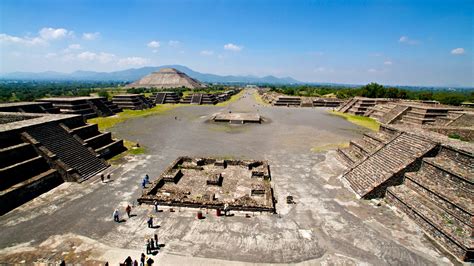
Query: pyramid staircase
{"type": "Point", "coordinates": [165, 97]}
{"type": "Point", "coordinates": [196, 99]}
{"type": "Point", "coordinates": [24, 174]}
{"type": "Point", "coordinates": [68, 149]}
{"type": "Point", "coordinates": [371, 175]}
{"type": "Point", "coordinates": [440, 198]}
{"type": "Point", "coordinates": [287, 101]}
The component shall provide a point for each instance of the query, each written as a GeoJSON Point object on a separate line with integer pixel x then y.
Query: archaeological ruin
{"type": "Point", "coordinates": [86, 106]}
{"type": "Point", "coordinates": [243, 185]}
{"type": "Point", "coordinates": [167, 78]}
{"type": "Point", "coordinates": [132, 101]}
{"type": "Point", "coordinates": [276, 99]}
{"type": "Point", "coordinates": [200, 98]}
{"type": "Point", "coordinates": [237, 118]}
{"type": "Point", "coordinates": [425, 174]}
{"type": "Point", "coordinates": [39, 151]}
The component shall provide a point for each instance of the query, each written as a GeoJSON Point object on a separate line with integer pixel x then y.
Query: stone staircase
{"type": "Point", "coordinates": [196, 99]}
{"type": "Point", "coordinates": [287, 101]}
{"type": "Point", "coordinates": [68, 149]}
{"type": "Point", "coordinates": [24, 175]}
{"type": "Point", "coordinates": [347, 105]}
{"type": "Point", "coordinates": [440, 198]}
{"type": "Point", "coordinates": [102, 143]}
{"type": "Point", "coordinates": [165, 97]}
{"type": "Point", "coordinates": [132, 101]}
{"type": "Point", "coordinates": [359, 149]}
{"type": "Point", "coordinates": [371, 176]}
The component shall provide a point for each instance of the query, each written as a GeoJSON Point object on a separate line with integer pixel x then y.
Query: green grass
{"type": "Point", "coordinates": [232, 99]}
{"type": "Point", "coordinates": [110, 121]}
{"type": "Point", "coordinates": [258, 99]}
{"type": "Point", "coordinates": [132, 149]}
{"type": "Point", "coordinates": [363, 121]}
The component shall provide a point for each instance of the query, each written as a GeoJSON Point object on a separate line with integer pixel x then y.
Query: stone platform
{"type": "Point", "coordinates": [237, 118]}
{"type": "Point", "coordinates": [243, 185]}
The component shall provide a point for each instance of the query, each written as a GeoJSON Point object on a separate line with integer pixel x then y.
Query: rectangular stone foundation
{"type": "Point", "coordinates": [205, 184]}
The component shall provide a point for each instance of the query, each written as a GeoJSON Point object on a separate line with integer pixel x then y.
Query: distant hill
{"type": "Point", "coordinates": [137, 73]}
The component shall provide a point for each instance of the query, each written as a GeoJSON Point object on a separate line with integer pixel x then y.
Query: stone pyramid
{"type": "Point", "coordinates": [167, 78]}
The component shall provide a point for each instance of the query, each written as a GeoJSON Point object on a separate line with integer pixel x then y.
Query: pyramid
{"type": "Point", "coordinates": [167, 78]}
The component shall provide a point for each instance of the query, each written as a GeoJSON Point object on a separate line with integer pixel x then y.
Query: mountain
{"type": "Point", "coordinates": [137, 73]}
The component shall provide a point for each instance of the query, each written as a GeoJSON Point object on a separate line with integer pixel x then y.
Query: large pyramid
{"type": "Point", "coordinates": [167, 78]}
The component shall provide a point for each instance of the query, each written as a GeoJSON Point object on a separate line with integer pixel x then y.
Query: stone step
{"type": "Point", "coordinates": [454, 234]}
{"type": "Point", "coordinates": [68, 149]}
{"type": "Point", "coordinates": [16, 173]}
{"type": "Point", "coordinates": [446, 197]}
{"type": "Point", "coordinates": [389, 160]}
{"type": "Point", "coordinates": [445, 164]}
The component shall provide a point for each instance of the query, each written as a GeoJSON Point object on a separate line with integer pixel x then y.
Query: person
{"type": "Point", "coordinates": [156, 205]}
{"type": "Point", "coordinates": [147, 179]}
{"type": "Point", "coordinates": [156, 241]}
{"type": "Point", "coordinates": [108, 177]}
{"type": "Point", "coordinates": [128, 261]}
{"type": "Point", "coordinates": [142, 259]}
{"type": "Point", "coordinates": [148, 249]}
{"type": "Point", "coordinates": [149, 261]}
{"type": "Point", "coordinates": [102, 177]}
{"type": "Point", "coordinates": [150, 222]}
{"type": "Point", "coordinates": [135, 263]}
{"type": "Point", "coordinates": [152, 244]}
{"type": "Point", "coordinates": [116, 216]}
{"type": "Point", "coordinates": [143, 183]}
{"type": "Point", "coordinates": [128, 209]}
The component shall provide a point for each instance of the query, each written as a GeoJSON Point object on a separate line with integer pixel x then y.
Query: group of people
{"type": "Point", "coordinates": [143, 261]}
{"type": "Point", "coordinates": [116, 213]}
{"type": "Point", "coordinates": [152, 244]}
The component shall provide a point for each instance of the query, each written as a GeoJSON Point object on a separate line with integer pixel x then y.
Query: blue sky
{"type": "Point", "coordinates": [390, 42]}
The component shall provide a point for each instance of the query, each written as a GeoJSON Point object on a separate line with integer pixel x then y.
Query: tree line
{"type": "Point", "coordinates": [374, 90]}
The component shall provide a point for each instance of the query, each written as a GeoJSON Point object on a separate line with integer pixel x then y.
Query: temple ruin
{"type": "Point", "coordinates": [167, 78]}
{"type": "Point", "coordinates": [86, 106]}
{"type": "Point", "coordinates": [210, 183]}
{"type": "Point", "coordinates": [237, 118]}
{"type": "Point", "coordinates": [200, 98]}
{"type": "Point", "coordinates": [426, 175]}
{"type": "Point", "coordinates": [39, 151]}
{"type": "Point", "coordinates": [276, 99]}
{"type": "Point", "coordinates": [132, 101]}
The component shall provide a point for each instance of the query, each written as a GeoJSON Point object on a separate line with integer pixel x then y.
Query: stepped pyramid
{"type": "Point", "coordinates": [167, 78]}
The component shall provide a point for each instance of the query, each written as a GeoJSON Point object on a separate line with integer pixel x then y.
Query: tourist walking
{"type": "Point", "coordinates": [143, 183]}
{"type": "Point", "coordinates": [128, 209]}
{"type": "Point", "coordinates": [142, 259]}
{"type": "Point", "coordinates": [156, 205]}
{"type": "Point", "coordinates": [150, 222]}
{"type": "Point", "coordinates": [147, 179]}
{"type": "Point", "coordinates": [116, 216]}
{"type": "Point", "coordinates": [152, 244]}
{"type": "Point", "coordinates": [102, 177]}
{"type": "Point", "coordinates": [156, 241]}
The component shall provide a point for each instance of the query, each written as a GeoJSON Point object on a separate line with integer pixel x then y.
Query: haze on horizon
{"type": "Point", "coordinates": [356, 42]}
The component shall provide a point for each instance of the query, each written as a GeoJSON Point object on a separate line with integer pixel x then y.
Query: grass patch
{"type": "Point", "coordinates": [259, 100]}
{"type": "Point", "coordinates": [330, 146]}
{"type": "Point", "coordinates": [232, 99]}
{"type": "Point", "coordinates": [363, 121]}
{"type": "Point", "coordinates": [132, 149]}
{"type": "Point", "coordinates": [110, 121]}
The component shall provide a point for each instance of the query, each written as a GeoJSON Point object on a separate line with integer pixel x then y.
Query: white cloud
{"type": "Point", "coordinates": [134, 61]}
{"type": "Point", "coordinates": [5, 38]}
{"type": "Point", "coordinates": [320, 69]}
{"type": "Point", "coordinates": [457, 51]}
{"type": "Point", "coordinates": [87, 56]}
{"type": "Point", "coordinates": [153, 44]}
{"type": "Point", "coordinates": [74, 46]}
{"type": "Point", "coordinates": [406, 40]}
{"type": "Point", "coordinates": [174, 43]}
{"type": "Point", "coordinates": [206, 52]}
{"type": "Point", "coordinates": [233, 47]}
{"type": "Point", "coordinates": [388, 62]}
{"type": "Point", "coordinates": [372, 70]}
{"type": "Point", "coordinates": [90, 35]}
{"type": "Point", "coordinates": [101, 57]}
{"type": "Point", "coordinates": [376, 54]}
{"type": "Point", "coordinates": [54, 34]}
